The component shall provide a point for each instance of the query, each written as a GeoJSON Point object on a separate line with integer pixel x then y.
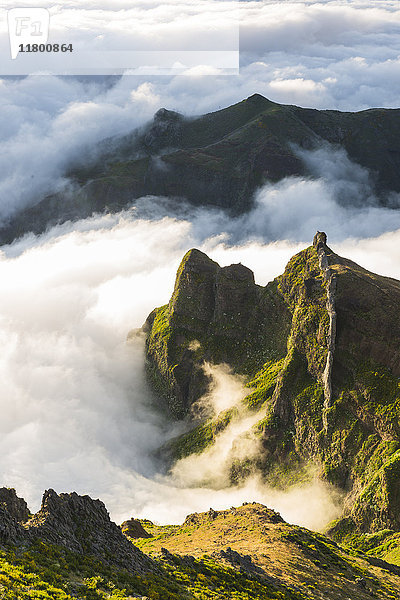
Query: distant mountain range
{"type": "Point", "coordinates": [218, 159]}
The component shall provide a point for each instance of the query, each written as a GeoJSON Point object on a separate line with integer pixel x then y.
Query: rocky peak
{"type": "Point", "coordinates": [214, 314]}
{"type": "Point", "coordinates": [259, 100]}
{"type": "Point", "coordinates": [15, 506]}
{"type": "Point", "coordinates": [165, 115]}
{"type": "Point", "coordinates": [194, 287]}
{"type": "Point", "coordinates": [134, 529]}
{"type": "Point", "coordinates": [83, 525]}
{"type": "Point", "coordinates": [165, 130]}
{"type": "Point", "coordinates": [319, 239]}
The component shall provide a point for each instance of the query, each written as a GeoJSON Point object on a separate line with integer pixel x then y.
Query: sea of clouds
{"type": "Point", "coordinates": [77, 413]}
{"type": "Point", "coordinates": [320, 54]}
{"type": "Point", "coordinates": [76, 410]}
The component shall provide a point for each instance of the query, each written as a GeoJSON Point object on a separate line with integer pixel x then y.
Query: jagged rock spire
{"type": "Point", "coordinates": [320, 238]}
{"type": "Point", "coordinates": [15, 506]}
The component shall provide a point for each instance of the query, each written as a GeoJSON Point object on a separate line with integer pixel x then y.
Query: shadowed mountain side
{"type": "Point", "coordinates": [16, 507]}
{"type": "Point", "coordinates": [319, 349]}
{"type": "Point", "coordinates": [218, 159]}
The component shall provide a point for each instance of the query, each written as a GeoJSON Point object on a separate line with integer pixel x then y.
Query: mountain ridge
{"type": "Point", "coordinates": [218, 160]}
{"type": "Point", "coordinates": [246, 552]}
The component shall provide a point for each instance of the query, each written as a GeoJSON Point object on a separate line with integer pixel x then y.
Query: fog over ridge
{"type": "Point", "coordinates": [77, 413]}
{"type": "Point", "coordinates": [327, 55]}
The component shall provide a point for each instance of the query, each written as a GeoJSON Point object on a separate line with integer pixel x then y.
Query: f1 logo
{"type": "Point", "coordinates": [27, 25]}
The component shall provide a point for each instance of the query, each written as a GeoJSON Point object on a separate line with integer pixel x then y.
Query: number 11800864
{"type": "Point", "coordinates": [46, 48]}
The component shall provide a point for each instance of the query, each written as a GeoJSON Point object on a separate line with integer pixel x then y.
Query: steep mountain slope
{"type": "Point", "coordinates": [319, 348]}
{"type": "Point", "coordinates": [217, 159]}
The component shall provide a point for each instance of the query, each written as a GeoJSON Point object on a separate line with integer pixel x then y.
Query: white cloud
{"type": "Point", "coordinates": [319, 54]}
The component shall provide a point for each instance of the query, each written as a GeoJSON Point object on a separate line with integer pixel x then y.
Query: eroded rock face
{"type": "Point", "coordinates": [75, 522]}
{"type": "Point", "coordinates": [11, 531]}
{"type": "Point", "coordinates": [83, 525]}
{"type": "Point", "coordinates": [165, 131]}
{"type": "Point", "coordinates": [15, 506]}
{"type": "Point", "coordinates": [216, 314]}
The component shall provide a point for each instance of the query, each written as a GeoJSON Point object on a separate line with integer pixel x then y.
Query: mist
{"type": "Point", "coordinates": [338, 196]}
{"type": "Point", "coordinates": [77, 413]}
{"type": "Point", "coordinates": [328, 55]}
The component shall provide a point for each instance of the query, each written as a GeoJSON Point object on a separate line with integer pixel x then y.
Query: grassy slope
{"type": "Point", "coordinates": [247, 553]}
{"type": "Point", "coordinates": [307, 562]}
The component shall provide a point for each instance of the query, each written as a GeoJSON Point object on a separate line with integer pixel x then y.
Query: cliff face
{"type": "Point", "coordinates": [15, 506]}
{"type": "Point", "coordinates": [217, 159]}
{"type": "Point", "coordinates": [318, 346]}
{"type": "Point", "coordinates": [216, 314]}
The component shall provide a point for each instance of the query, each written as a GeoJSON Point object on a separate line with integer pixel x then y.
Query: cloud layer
{"type": "Point", "coordinates": [76, 411]}
{"type": "Point", "coordinates": [319, 54]}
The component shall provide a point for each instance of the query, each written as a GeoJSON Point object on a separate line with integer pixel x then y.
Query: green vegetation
{"type": "Point", "coordinates": [50, 573]}
{"type": "Point", "coordinates": [263, 383]}
{"type": "Point", "coordinates": [202, 436]}
{"type": "Point", "coordinates": [278, 338]}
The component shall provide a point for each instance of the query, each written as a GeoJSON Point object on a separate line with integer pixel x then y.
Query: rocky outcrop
{"type": "Point", "coordinates": [13, 513]}
{"type": "Point", "coordinates": [15, 506]}
{"type": "Point", "coordinates": [78, 523]}
{"type": "Point", "coordinates": [164, 132]}
{"type": "Point", "coordinates": [83, 525]}
{"type": "Point", "coordinates": [216, 314]}
{"type": "Point", "coordinates": [319, 244]}
{"type": "Point", "coordinates": [134, 529]}
{"type": "Point", "coordinates": [11, 532]}
{"type": "Point", "coordinates": [318, 346]}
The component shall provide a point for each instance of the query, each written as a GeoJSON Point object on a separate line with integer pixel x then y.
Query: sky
{"type": "Point", "coordinates": [77, 411]}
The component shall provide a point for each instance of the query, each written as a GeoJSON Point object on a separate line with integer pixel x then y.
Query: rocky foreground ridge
{"type": "Point", "coordinates": [319, 347]}
{"type": "Point", "coordinates": [71, 549]}
{"type": "Point", "coordinates": [74, 522]}
{"type": "Point", "coordinates": [218, 159]}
